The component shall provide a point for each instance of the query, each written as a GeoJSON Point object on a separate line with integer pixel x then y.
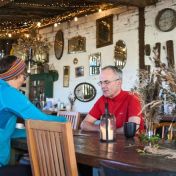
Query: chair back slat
{"type": "Point", "coordinates": [40, 151]}
{"type": "Point", "coordinates": [164, 127]}
{"type": "Point", "coordinates": [54, 150]}
{"type": "Point", "coordinates": [73, 117]}
{"type": "Point", "coordinates": [51, 148]}
{"type": "Point", "coordinates": [43, 155]}
{"type": "Point", "coordinates": [46, 151]}
{"type": "Point", "coordinates": [50, 155]}
{"type": "Point", "coordinates": [60, 153]}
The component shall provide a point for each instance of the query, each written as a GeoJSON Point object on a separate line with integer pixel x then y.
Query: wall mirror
{"type": "Point", "coordinates": [59, 44]}
{"type": "Point", "coordinates": [66, 76]}
{"type": "Point", "coordinates": [94, 64]}
{"type": "Point", "coordinates": [85, 92]}
{"type": "Point", "coordinates": [120, 54]}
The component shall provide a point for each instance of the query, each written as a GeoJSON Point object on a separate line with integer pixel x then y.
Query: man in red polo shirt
{"type": "Point", "coordinates": [123, 104]}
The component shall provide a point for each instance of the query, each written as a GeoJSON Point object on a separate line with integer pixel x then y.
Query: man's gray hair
{"type": "Point", "coordinates": [116, 70]}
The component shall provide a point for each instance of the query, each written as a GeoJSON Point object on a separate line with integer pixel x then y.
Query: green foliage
{"type": "Point", "coordinates": [153, 140]}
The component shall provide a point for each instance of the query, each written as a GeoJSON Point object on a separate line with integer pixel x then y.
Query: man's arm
{"type": "Point", "coordinates": [120, 130]}
{"type": "Point", "coordinates": [88, 124]}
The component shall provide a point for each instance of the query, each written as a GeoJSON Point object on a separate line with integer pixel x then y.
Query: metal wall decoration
{"type": "Point", "coordinates": [79, 71]}
{"type": "Point", "coordinates": [66, 76]}
{"type": "Point", "coordinates": [120, 54]}
{"type": "Point", "coordinates": [77, 44]}
{"type": "Point", "coordinates": [170, 53]}
{"type": "Point", "coordinates": [94, 63]}
{"type": "Point", "coordinates": [147, 50]}
{"type": "Point", "coordinates": [75, 61]}
{"type": "Point", "coordinates": [104, 31]}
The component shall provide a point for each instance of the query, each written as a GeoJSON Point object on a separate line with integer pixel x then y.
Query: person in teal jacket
{"type": "Point", "coordinates": [14, 104]}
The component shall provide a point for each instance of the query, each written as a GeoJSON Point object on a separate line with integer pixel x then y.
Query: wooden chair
{"type": "Point", "coordinates": [112, 168]}
{"type": "Point", "coordinates": [73, 117]}
{"type": "Point", "coordinates": [51, 148]}
{"type": "Point", "coordinates": [167, 129]}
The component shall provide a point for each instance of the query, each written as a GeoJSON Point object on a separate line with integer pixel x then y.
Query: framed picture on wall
{"type": "Point", "coordinates": [79, 71]}
{"type": "Point", "coordinates": [77, 44]}
{"type": "Point", "coordinates": [66, 76]}
{"type": "Point", "coordinates": [104, 31]}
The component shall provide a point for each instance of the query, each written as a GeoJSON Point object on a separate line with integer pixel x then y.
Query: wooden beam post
{"type": "Point", "coordinates": [141, 38]}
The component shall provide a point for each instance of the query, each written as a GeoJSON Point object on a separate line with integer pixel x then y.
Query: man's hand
{"type": "Point", "coordinates": [88, 124]}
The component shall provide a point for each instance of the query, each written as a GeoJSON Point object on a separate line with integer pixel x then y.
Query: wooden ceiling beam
{"type": "Point", "coordinates": [26, 12]}
{"type": "Point", "coordinates": [137, 3]}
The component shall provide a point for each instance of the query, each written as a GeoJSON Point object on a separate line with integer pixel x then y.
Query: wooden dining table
{"type": "Point", "coordinates": [90, 151]}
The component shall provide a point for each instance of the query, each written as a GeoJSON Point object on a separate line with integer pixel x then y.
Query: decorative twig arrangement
{"type": "Point", "coordinates": [157, 91]}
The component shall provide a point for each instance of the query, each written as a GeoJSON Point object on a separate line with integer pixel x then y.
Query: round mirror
{"type": "Point", "coordinates": [85, 92]}
{"type": "Point", "coordinates": [59, 44]}
{"type": "Point", "coordinates": [120, 54]}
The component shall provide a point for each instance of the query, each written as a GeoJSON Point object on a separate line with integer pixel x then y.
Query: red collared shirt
{"type": "Point", "coordinates": [123, 106]}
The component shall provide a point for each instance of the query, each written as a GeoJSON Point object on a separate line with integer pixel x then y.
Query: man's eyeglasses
{"type": "Point", "coordinates": [106, 82]}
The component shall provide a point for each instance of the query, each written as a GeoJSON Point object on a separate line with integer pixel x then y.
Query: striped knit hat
{"type": "Point", "coordinates": [16, 69]}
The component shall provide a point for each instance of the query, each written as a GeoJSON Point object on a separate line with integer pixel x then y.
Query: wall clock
{"type": "Point", "coordinates": [166, 20]}
{"type": "Point", "coordinates": [59, 44]}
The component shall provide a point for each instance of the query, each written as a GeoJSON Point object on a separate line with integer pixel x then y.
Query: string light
{"type": "Point", "coordinates": [55, 24]}
{"type": "Point", "coordinates": [75, 18]}
{"type": "Point", "coordinates": [9, 35]}
{"type": "Point", "coordinates": [15, 30]}
{"type": "Point", "coordinates": [39, 24]}
{"type": "Point", "coordinates": [99, 10]}
{"type": "Point", "coordinates": [26, 35]}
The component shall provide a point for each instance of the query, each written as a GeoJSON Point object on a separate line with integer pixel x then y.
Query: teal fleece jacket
{"type": "Point", "coordinates": [14, 104]}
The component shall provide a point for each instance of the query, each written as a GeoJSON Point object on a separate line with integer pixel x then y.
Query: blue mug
{"type": "Point", "coordinates": [130, 129]}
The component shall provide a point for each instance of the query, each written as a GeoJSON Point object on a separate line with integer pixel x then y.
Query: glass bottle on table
{"type": "Point", "coordinates": [107, 126]}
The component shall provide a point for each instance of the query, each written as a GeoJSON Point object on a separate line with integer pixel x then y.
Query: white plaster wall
{"type": "Point", "coordinates": [125, 27]}
{"type": "Point", "coordinates": [153, 34]}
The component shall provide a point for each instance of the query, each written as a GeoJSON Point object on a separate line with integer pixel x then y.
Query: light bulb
{"type": "Point", "coordinates": [9, 35]}
{"type": "Point", "coordinates": [55, 24]}
{"type": "Point", "coordinates": [38, 24]}
{"type": "Point", "coordinates": [99, 10]}
{"type": "Point", "coordinates": [75, 18]}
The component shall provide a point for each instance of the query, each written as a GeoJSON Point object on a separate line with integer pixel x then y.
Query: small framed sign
{"type": "Point", "coordinates": [79, 71]}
